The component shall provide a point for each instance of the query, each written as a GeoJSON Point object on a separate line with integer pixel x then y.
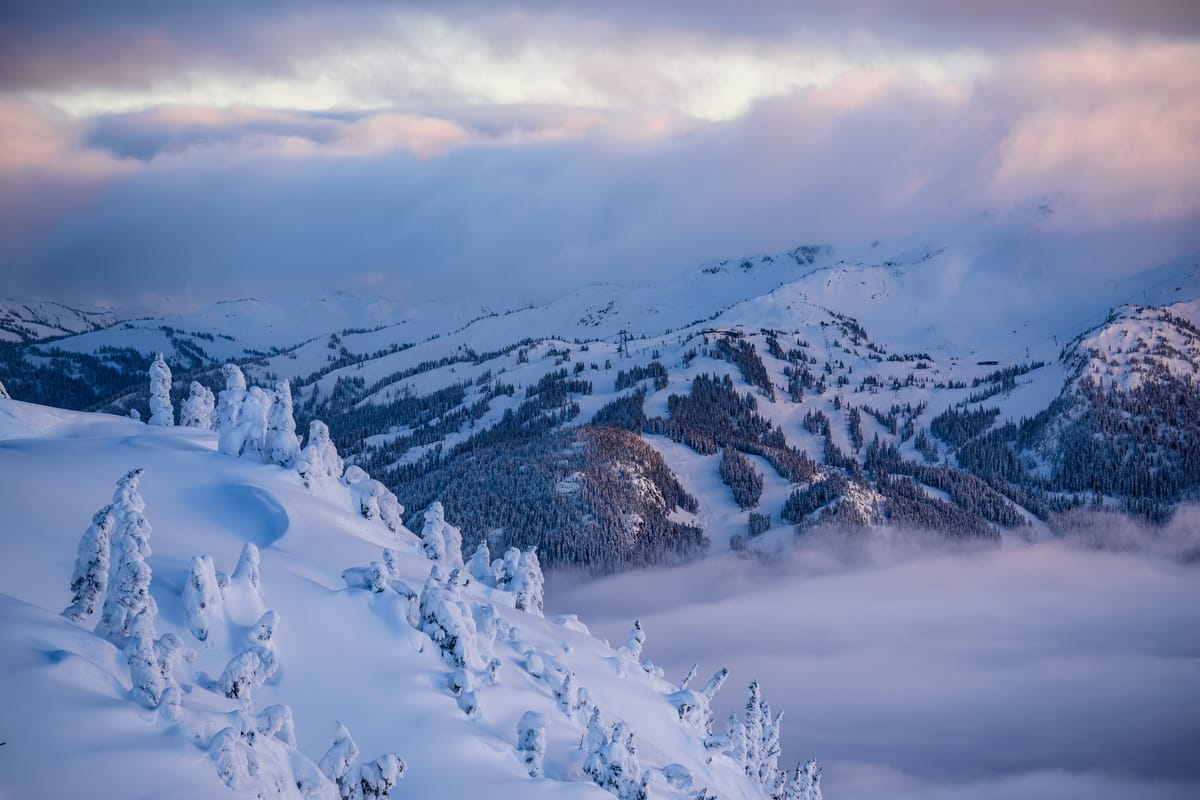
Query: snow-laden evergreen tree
{"type": "Point", "coordinates": [4, 395]}
{"type": "Point", "coordinates": [246, 572]}
{"type": "Point", "coordinates": [531, 742]}
{"type": "Point", "coordinates": [521, 573]}
{"type": "Point", "coordinates": [252, 425]}
{"type": "Point", "coordinates": [448, 621]}
{"type": "Point", "coordinates": [264, 630]}
{"type": "Point", "coordinates": [202, 597]}
{"type": "Point", "coordinates": [319, 460]}
{"type": "Point", "coordinates": [635, 640]}
{"type": "Point", "coordinates": [735, 741]}
{"type": "Point", "coordinates": [374, 500]}
{"type": "Point", "coordinates": [90, 577]}
{"type": "Point", "coordinates": [441, 541]}
{"type": "Point", "coordinates": [805, 783]}
{"type": "Point", "coordinates": [371, 780]}
{"type": "Point", "coordinates": [245, 672]}
{"type": "Point", "coordinates": [197, 409]}
{"type": "Point", "coordinates": [695, 707]}
{"type": "Point", "coordinates": [128, 592]}
{"type": "Point", "coordinates": [562, 695]}
{"type": "Point", "coordinates": [152, 661]}
{"type": "Point", "coordinates": [754, 742]}
{"type": "Point", "coordinates": [612, 761]}
{"type": "Point", "coordinates": [161, 410]}
{"type": "Point", "coordinates": [229, 410]}
{"type": "Point", "coordinates": [480, 566]}
{"type": "Point", "coordinates": [281, 447]}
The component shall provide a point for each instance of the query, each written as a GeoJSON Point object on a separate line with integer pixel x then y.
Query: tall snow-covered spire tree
{"type": "Point", "coordinates": [229, 409]}
{"type": "Point", "coordinates": [282, 446]}
{"type": "Point", "coordinates": [90, 578]}
{"type": "Point", "coordinates": [161, 410]}
{"type": "Point", "coordinates": [442, 541]}
{"type": "Point", "coordinates": [252, 424]}
{"type": "Point", "coordinates": [319, 460]}
{"type": "Point", "coordinates": [128, 592]}
{"type": "Point", "coordinates": [197, 409]}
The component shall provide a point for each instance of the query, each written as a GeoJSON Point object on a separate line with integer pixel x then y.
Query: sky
{"type": "Point", "coordinates": [166, 155]}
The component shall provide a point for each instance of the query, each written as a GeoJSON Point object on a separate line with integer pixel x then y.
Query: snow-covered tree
{"type": "Point", "coordinates": [202, 597]}
{"type": "Point", "coordinates": [90, 577]}
{"type": "Point", "coordinates": [319, 460]}
{"type": "Point", "coordinates": [805, 783]}
{"type": "Point", "coordinates": [264, 630]}
{"type": "Point", "coordinates": [612, 761]}
{"type": "Point", "coordinates": [282, 447]}
{"type": "Point", "coordinates": [635, 640]}
{"type": "Point", "coordinates": [128, 592]}
{"type": "Point", "coordinates": [152, 662]}
{"type": "Point", "coordinates": [372, 780]}
{"type": "Point", "coordinates": [447, 620]}
{"type": "Point", "coordinates": [562, 695]}
{"type": "Point", "coordinates": [245, 672]}
{"type": "Point", "coordinates": [247, 568]}
{"type": "Point", "coordinates": [339, 758]}
{"type": "Point", "coordinates": [374, 500]}
{"type": "Point", "coordinates": [197, 409]}
{"type": "Point", "coordinates": [754, 742]}
{"type": "Point", "coordinates": [4, 395]}
{"type": "Point", "coordinates": [531, 742]}
{"type": "Point", "coordinates": [252, 425]}
{"type": "Point", "coordinates": [480, 566]}
{"type": "Point", "coordinates": [161, 410]}
{"type": "Point", "coordinates": [695, 707]}
{"type": "Point", "coordinates": [229, 401]}
{"type": "Point", "coordinates": [527, 583]}
{"type": "Point", "coordinates": [441, 541]}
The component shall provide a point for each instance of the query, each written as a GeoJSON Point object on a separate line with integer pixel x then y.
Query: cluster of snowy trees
{"type": "Point", "coordinates": [638, 373]}
{"type": "Point", "coordinates": [745, 357]}
{"type": "Point", "coordinates": [599, 498]}
{"type": "Point", "coordinates": [112, 580]}
{"type": "Point", "coordinates": [741, 477]}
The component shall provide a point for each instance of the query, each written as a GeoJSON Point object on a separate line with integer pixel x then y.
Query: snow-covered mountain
{"type": "Point", "coordinates": [34, 321]}
{"type": "Point", "coordinates": [237, 624]}
{"type": "Point", "coordinates": [900, 383]}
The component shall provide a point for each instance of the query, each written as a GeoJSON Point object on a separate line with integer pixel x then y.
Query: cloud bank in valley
{"type": "Point", "coordinates": [406, 149]}
{"type": "Point", "coordinates": [914, 672]}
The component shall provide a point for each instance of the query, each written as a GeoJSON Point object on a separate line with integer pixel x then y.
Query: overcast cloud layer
{"type": "Point", "coordinates": [176, 154]}
{"type": "Point", "coordinates": [913, 672]}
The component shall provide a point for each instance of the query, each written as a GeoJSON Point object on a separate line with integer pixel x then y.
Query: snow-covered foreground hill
{"type": "Point", "coordinates": [300, 625]}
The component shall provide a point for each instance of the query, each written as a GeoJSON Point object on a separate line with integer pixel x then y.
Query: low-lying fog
{"type": "Point", "coordinates": [1048, 671]}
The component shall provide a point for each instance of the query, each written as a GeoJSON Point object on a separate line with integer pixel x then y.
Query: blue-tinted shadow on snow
{"type": "Point", "coordinates": [247, 512]}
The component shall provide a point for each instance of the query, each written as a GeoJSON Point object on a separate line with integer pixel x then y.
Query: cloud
{"type": "Point", "coordinates": [528, 200]}
{"type": "Point", "coordinates": [1041, 671]}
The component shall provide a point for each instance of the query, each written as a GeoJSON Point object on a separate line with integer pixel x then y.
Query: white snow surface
{"type": "Point", "coordinates": [37, 320]}
{"type": "Point", "coordinates": [341, 653]}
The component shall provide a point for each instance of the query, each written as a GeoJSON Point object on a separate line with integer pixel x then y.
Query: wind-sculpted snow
{"type": "Point", "coordinates": [244, 510]}
{"type": "Point", "coordinates": [338, 661]}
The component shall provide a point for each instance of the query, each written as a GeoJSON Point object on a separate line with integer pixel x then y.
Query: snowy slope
{"type": "Point", "coordinates": [345, 654]}
{"type": "Point", "coordinates": [34, 321]}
